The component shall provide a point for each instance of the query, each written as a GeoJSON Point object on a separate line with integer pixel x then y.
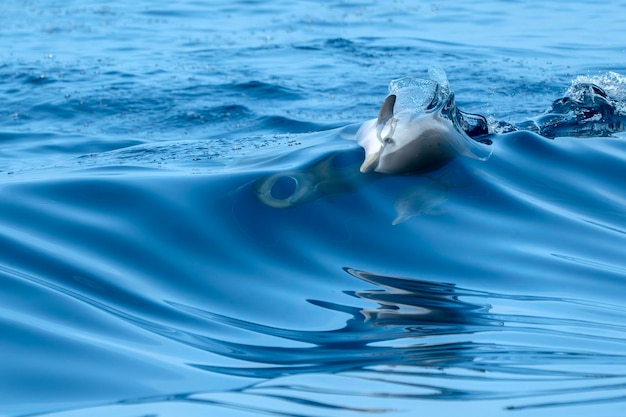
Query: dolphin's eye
{"type": "Point", "coordinates": [388, 140]}
{"type": "Point", "coordinates": [386, 130]}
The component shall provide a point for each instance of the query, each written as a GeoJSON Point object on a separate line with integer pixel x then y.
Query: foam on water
{"type": "Point", "coordinates": [611, 82]}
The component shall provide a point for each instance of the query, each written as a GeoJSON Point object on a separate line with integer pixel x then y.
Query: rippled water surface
{"type": "Point", "coordinates": [149, 266]}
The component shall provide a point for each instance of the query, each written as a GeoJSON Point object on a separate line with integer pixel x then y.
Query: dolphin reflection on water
{"type": "Point", "coordinates": [419, 129]}
{"type": "Point", "coordinates": [408, 338]}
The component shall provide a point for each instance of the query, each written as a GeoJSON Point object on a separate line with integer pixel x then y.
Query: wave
{"type": "Point", "coordinates": [184, 229]}
{"type": "Point", "coordinates": [494, 282]}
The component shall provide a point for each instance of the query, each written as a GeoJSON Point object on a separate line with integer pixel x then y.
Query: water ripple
{"type": "Point", "coordinates": [410, 347]}
{"type": "Point", "coordinates": [184, 229]}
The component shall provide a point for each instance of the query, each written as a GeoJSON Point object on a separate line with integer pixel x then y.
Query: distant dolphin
{"type": "Point", "coordinates": [419, 129]}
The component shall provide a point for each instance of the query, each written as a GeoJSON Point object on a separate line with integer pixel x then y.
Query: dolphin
{"type": "Point", "coordinates": [419, 129]}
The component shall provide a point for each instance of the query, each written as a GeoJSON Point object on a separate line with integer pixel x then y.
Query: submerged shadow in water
{"type": "Point", "coordinates": [336, 173]}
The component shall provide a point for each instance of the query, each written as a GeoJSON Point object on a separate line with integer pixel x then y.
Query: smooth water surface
{"type": "Point", "coordinates": [147, 270]}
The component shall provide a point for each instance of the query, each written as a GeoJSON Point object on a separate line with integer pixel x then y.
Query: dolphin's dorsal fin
{"type": "Point", "coordinates": [386, 110]}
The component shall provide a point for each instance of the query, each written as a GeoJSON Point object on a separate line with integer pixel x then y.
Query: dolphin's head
{"type": "Point", "coordinates": [418, 129]}
{"type": "Point", "coordinates": [407, 141]}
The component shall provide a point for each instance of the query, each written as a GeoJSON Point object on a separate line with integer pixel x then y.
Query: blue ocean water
{"type": "Point", "coordinates": [147, 270]}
